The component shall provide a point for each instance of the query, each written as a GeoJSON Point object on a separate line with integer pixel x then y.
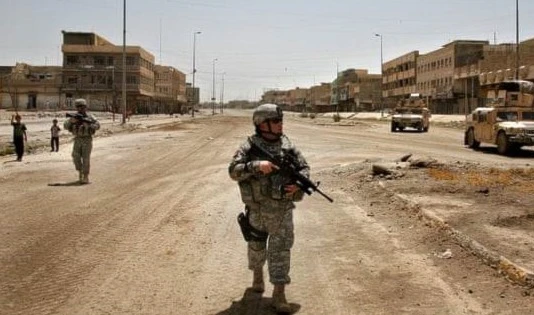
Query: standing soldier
{"type": "Point", "coordinates": [83, 126]}
{"type": "Point", "coordinates": [269, 201]}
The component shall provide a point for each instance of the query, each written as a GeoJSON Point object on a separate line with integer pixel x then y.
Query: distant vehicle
{"type": "Point", "coordinates": [411, 113]}
{"type": "Point", "coordinates": [507, 121]}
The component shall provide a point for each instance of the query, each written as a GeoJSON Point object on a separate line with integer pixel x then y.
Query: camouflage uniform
{"type": "Point", "coordinates": [269, 209]}
{"type": "Point", "coordinates": [83, 143]}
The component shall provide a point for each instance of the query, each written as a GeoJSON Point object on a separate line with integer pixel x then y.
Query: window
{"type": "Point", "coordinates": [131, 79]}
{"type": "Point", "coordinates": [130, 61]}
{"type": "Point", "coordinates": [99, 60]}
{"type": "Point", "coordinates": [72, 60]}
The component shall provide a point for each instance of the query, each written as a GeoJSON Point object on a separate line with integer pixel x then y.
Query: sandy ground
{"type": "Point", "coordinates": [155, 231]}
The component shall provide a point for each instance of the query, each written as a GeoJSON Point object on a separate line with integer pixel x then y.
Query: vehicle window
{"type": "Point", "coordinates": [482, 117]}
{"type": "Point", "coordinates": [527, 115]}
{"type": "Point", "coordinates": [507, 116]}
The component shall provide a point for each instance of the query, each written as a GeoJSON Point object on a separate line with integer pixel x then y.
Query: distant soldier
{"type": "Point", "coordinates": [269, 200]}
{"type": "Point", "coordinates": [83, 126]}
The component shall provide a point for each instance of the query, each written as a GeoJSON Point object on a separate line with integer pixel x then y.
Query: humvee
{"type": "Point", "coordinates": [411, 113]}
{"type": "Point", "coordinates": [507, 121]}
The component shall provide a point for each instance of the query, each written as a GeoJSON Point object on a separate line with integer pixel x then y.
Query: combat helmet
{"type": "Point", "coordinates": [265, 112]}
{"type": "Point", "coordinates": [80, 102]}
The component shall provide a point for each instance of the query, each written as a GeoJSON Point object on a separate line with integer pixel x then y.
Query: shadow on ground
{"type": "Point", "coordinates": [254, 303]}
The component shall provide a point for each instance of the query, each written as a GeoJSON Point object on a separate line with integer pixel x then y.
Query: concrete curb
{"type": "Point", "coordinates": [512, 271]}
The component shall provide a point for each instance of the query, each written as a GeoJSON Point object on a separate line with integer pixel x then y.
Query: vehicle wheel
{"type": "Point", "coordinates": [426, 129]}
{"type": "Point", "coordinates": [503, 146]}
{"type": "Point", "coordinates": [393, 127]}
{"type": "Point", "coordinates": [471, 142]}
{"type": "Point", "coordinates": [401, 128]}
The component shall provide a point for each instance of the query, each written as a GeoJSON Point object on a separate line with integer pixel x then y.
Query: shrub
{"type": "Point", "coordinates": [311, 115]}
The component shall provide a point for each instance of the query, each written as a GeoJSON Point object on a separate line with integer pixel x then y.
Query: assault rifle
{"type": "Point", "coordinates": [288, 166]}
{"type": "Point", "coordinates": [80, 117]}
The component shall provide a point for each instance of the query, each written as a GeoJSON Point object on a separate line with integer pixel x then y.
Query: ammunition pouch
{"type": "Point", "coordinates": [250, 233]}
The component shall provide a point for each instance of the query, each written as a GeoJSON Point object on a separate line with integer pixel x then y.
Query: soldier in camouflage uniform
{"type": "Point", "coordinates": [83, 131]}
{"type": "Point", "coordinates": [269, 200]}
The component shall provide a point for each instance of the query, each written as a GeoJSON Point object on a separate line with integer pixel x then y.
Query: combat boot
{"type": "Point", "coordinates": [279, 299]}
{"type": "Point", "coordinates": [257, 283]}
{"type": "Point", "coordinates": [80, 177]}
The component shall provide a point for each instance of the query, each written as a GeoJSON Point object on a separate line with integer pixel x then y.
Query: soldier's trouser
{"type": "Point", "coordinates": [277, 249]}
{"type": "Point", "coordinates": [81, 153]}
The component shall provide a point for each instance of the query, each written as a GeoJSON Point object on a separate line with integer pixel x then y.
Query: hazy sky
{"type": "Point", "coordinates": [260, 44]}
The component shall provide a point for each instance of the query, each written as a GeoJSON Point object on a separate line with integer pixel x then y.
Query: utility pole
{"type": "Point", "coordinates": [516, 39]}
{"type": "Point", "coordinates": [382, 77]}
{"type": "Point", "coordinates": [124, 63]}
{"type": "Point", "coordinates": [194, 71]}
{"type": "Point", "coordinates": [213, 90]}
{"type": "Point", "coordinates": [222, 93]}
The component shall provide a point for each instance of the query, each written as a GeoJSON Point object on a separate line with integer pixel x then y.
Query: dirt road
{"type": "Point", "coordinates": [155, 231]}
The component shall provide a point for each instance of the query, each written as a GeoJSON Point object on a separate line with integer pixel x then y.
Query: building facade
{"type": "Point", "coordinates": [399, 79]}
{"type": "Point", "coordinates": [26, 87]}
{"type": "Point", "coordinates": [169, 91]}
{"type": "Point", "coordinates": [93, 69]}
{"type": "Point", "coordinates": [436, 81]}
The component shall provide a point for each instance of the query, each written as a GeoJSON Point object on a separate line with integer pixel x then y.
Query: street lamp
{"type": "Point", "coordinates": [194, 71]}
{"type": "Point", "coordinates": [382, 77]}
{"type": "Point", "coordinates": [124, 113]}
{"type": "Point", "coordinates": [213, 89]}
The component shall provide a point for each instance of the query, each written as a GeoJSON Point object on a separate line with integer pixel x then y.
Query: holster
{"type": "Point", "coordinates": [250, 233]}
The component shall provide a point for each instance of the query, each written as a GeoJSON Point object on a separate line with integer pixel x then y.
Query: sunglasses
{"type": "Point", "coordinates": [275, 120]}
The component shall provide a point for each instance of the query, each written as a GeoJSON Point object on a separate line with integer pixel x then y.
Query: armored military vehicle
{"type": "Point", "coordinates": [411, 113]}
{"type": "Point", "coordinates": [508, 119]}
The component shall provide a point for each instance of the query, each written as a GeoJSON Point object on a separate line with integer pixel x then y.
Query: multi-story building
{"type": "Point", "coordinates": [399, 78]}
{"type": "Point", "coordinates": [297, 99]}
{"type": "Point", "coordinates": [169, 91]}
{"type": "Point", "coordinates": [436, 81]}
{"type": "Point", "coordinates": [278, 97]}
{"type": "Point", "coordinates": [356, 90]}
{"type": "Point", "coordinates": [27, 87]}
{"type": "Point", "coordinates": [500, 63]}
{"type": "Point", "coordinates": [93, 69]}
{"type": "Point", "coordinates": [319, 100]}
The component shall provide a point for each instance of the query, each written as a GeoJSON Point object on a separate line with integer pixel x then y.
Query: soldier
{"type": "Point", "coordinates": [83, 127]}
{"type": "Point", "coordinates": [269, 201]}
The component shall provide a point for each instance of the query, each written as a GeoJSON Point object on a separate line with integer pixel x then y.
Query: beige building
{"type": "Point", "coordinates": [436, 81]}
{"type": "Point", "coordinates": [278, 97]}
{"type": "Point", "coordinates": [297, 99]}
{"type": "Point", "coordinates": [92, 69]}
{"type": "Point", "coordinates": [169, 91]}
{"type": "Point", "coordinates": [399, 78]}
{"type": "Point", "coordinates": [356, 90]}
{"type": "Point", "coordinates": [27, 87]}
{"type": "Point", "coordinates": [499, 63]}
{"type": "Point", "coordinates": [320, 98]}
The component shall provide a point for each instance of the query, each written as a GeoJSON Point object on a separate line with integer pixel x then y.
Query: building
{"type": "Point", "coordinates": [320, 98]}
{"type": "Point", "coordinates": [436, 81]}
{"type": "Point", "coordinates": [297, 99]}
{"type": "Point", "coordinates": [356, 90]}
{"type": "Point", "coordinates": [28, 87]}
{"type": "Point", "coordinates": [399, 78]}
{"type": "Point", "coordinates": [169, 90]}
{"type": "Point", "coordinates": [92, 69]}
{"type": "Point", "coordinates": [278, 97]}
